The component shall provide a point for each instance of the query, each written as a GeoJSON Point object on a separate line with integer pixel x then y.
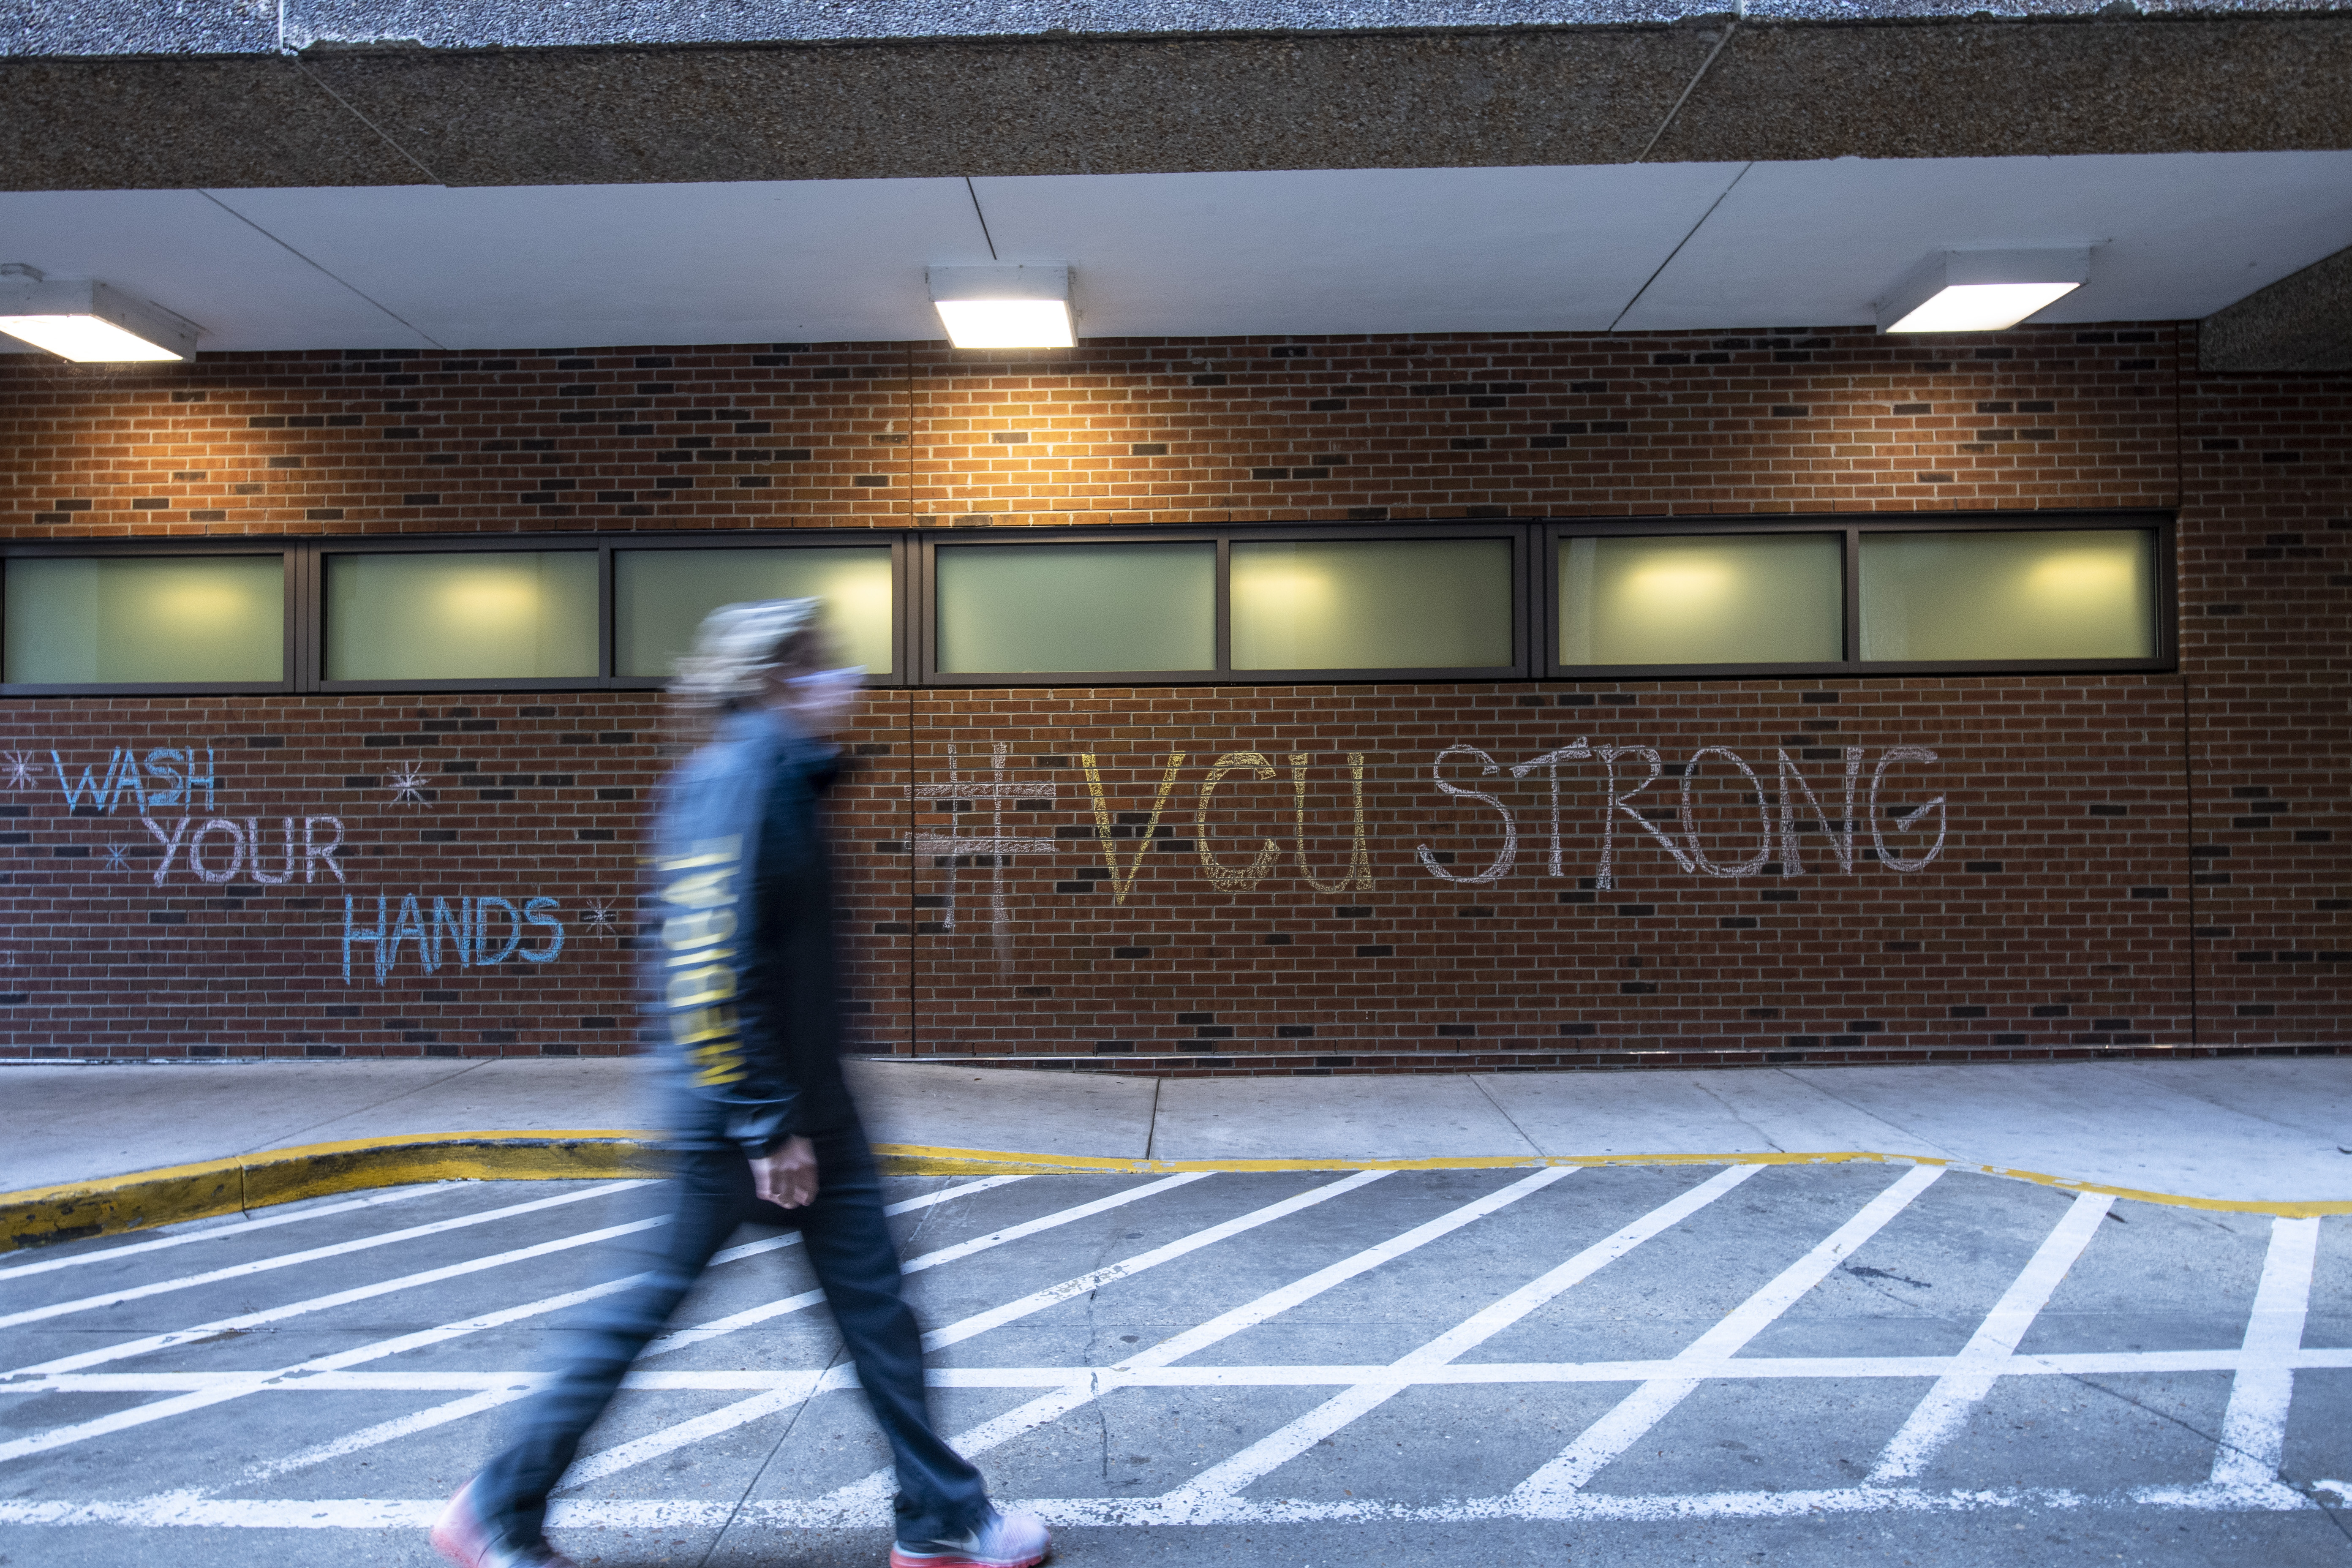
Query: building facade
{"type": "Point", "coordinates": [1534, 867]}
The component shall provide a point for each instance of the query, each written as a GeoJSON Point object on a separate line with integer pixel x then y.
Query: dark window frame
{"type": "Point", "coordinates": [314, 671]}
{"type": "Point", "coordinates": [1535, 567]}
{"type": "Point", "coordinates": [895, 540]}
{"type": "Point", "coordinates": [1852, 526]}
{"type": "Point", "coordinates": [1221, 672]}
{"type": "Point", "coordinates": [156, 548]}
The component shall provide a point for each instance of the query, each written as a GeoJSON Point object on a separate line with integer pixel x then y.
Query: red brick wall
{"type": "Point", "coordinates": [2119, 848]}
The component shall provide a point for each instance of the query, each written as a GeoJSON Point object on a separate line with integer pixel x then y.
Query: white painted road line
{"type": "Point", "coordinates": [188, 1510]}
{"type": "Point", "coordinates": [522, 1384]}
{"type": "Point", "coordinates": [1553, 1486]}
{"type": "Point", "coordinates": [795, 1390]}
{"type": "Point", "coordinates": [702, 1426]}
{"type": "Point", "coordinates": [1134, 1371]}
{"type": "Point", "coordinates": [223, 1232]}
{"type": "Point", "coordinates": [62, 1437]}
{"type": "Point", "coordinates": [126, 1349]}
{"type": "Point", "coordinates": [389, 1431]}
{"type": "Point", "coordinates": [682, 1338]}
{"type": "Point", "coordinates": [2253, 1428]}
{"type": "Point", "coordinates": [1208, 1494]}
{"type": "Point", "coordinates": [379, 1378]}
{"type": "Point", "coordinates": [314, 1254]}
{"type": "Point", "coordinates": [1285, 1375]}
{"type": "Point", "coordinates": [1038, 1300]}
{"type": "Point", "coordinates": [1938, 1417]}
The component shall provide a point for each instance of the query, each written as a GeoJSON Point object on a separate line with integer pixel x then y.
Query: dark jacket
{"type": "Point", "coordinates": [742, 977]}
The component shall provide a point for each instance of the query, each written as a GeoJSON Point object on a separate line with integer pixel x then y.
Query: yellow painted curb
{"type": "Point", "coordinates": [914, 1160]}
{"type": "Point", "coordinates": [177, 1192]}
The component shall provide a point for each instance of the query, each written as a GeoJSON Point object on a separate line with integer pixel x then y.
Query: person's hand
{"type": "Point", "coordinates": [786, 1176]}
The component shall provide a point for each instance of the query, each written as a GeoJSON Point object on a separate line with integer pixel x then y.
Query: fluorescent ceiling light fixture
{"type": "Point", "coordinates": [85, 321]}
{"type": "Point", "coordinates": [1004, 306]}
{"type": "Point", "coordinates": [1982, 290]}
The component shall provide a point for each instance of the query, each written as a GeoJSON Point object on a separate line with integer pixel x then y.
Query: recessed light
{"type": "Point", "coordinates": [85, 321]}
{"type": "Point", "coordinates": [1016, 306]}
{"type": "Point", "coordinates": [1982, 290]}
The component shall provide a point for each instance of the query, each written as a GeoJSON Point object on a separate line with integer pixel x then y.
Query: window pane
{"type": "Point", "coordinates": [477, 615]}
{"type": "Point", "coordinates": [2087, 594]}
{"type": "Point", "coordinates": [97, 619]}
{"type": "Point", "coordinates": [1396, 604]}
{"type": "Point", "coordinates": [1701, 599]}
{"type": "Point", "coordinates": [1018, 609]}
{"type": "Point", "coordinates": [661, 595]}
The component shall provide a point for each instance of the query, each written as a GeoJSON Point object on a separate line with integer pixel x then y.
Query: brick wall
{"type": "Point", "coordinates": [2131, 863]}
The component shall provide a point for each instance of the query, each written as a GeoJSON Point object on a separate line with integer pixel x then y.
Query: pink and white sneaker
{"type": "Point", "coordinates": [1003, 1540]}
{"type": "Point", "coordinates": [460, 1535]}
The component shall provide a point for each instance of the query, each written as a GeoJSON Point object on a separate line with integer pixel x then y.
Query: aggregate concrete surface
{"type": "Point", "coordinates": [139, 26]}
{"type": "Point", "coordinates": [1641, 1364]}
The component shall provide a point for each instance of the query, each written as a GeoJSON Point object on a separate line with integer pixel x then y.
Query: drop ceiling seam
{"type": "Point", "coordinates": [355, 290]}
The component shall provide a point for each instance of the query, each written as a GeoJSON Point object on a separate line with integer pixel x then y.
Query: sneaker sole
{"type": "Point", "coordinates": [957, 1559]}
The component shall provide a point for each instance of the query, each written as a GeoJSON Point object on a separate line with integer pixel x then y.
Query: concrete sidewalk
{"type": "Point", "coordinates": [2265, 1130]}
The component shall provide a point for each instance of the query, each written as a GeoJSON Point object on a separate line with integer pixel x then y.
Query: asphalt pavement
{"type": "Point", "coordinates": [1861, 1361]}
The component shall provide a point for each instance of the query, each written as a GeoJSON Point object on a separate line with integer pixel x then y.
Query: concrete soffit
{"type": "Point", "coordinates": [2303, 321]}
{"type": "Point", "coordinates": [1690, 88]}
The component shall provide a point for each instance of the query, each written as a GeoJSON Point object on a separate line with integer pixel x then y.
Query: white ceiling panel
{"type": "Point", "coordinates": [198, 260]}
{"type": "Point", "coordinates": [559, 265]}
{"type": "Point", "coordinates": [1360, 250]}
{"type": "Point", "coordinates": [2178, 235]}
{"type": "Point", "coordinates": [1309, 252]}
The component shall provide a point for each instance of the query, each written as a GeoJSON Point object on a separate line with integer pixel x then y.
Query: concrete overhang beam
{"type": "Point", "coordinates": [1375, 99]}
{"type": "Point", "coordinates": [2303, 321]}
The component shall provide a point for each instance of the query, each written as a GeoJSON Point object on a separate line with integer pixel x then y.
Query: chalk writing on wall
{"type": "Point", "coordinates": [1623, 813]}
{"type": "Point", "coordinates": [166, 776]}
{"type": "Point", "coordinates": [218, 848]}
{"type": "Point", "coordinates": [994, 848]}
{"type": "Point", "coordinates": [462, 931]}
{"type": "Point", "coordinates": [1629, 771]}
{"type": "Point", "coordinates": [434, 932]}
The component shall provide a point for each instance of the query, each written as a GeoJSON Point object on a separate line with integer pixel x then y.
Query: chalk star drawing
{"type": "Point", "coordinates": [599, 914]}
{"type": "Point", "coordinates": [114, 856]}
{"type": "Point", "coordinates": [407, 784]}
{"type": "Point", "coordinates": [20, 770]}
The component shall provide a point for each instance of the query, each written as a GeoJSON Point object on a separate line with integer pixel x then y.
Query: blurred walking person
{"type": "Point", "coordinates": [759, 1117]}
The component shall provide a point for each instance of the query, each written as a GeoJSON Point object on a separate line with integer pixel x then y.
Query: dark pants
{"type": "Point", "coordinates": [848, 1245]}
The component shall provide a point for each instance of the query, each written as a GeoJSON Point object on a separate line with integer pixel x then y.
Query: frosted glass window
{"type": "Point", "coordinates": [476, 615]}
{"type": "Point", "coordinates": [1016, 609]}
{"type": "Point", "coordinates": [1702, 599]}
{"type": "Point", "coordinates": [1391, 603]}
{"type": "Point", "coordinates": [87, 619]}
{"type": "Point", "coordinates": [2086, 593]}
{"type": "Point", "coordinates": [661, 595]}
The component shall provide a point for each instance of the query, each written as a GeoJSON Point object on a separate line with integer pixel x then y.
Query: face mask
{"type": "Point", "coordinates": [825, 699]}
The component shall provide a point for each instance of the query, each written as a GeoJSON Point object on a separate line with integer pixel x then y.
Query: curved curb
{"type": "Point", "coordinates": [42, 1215]}
{"type": "Point", "coordinates": [903, 1159]}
